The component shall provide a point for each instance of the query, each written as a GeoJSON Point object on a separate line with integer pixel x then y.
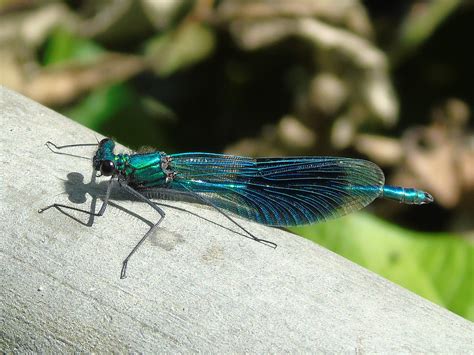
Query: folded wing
{"type": "Point", "coordinates": [279, 191]}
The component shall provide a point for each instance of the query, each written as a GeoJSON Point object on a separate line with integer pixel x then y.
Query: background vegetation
{"type": "Point", "coordinates": [386, 81]}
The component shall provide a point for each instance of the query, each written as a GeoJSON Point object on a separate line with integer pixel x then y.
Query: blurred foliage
{"type": "Point", "coordinates": [420, 25]}
{"type": "Point", "coordinates": [438, 266]}
{"type": "Point", "coordinates": [179, 49]}
{"type": "Point", "coordinates": [386, 81]}
{"type": "Point", "coordinates": [63, 46]}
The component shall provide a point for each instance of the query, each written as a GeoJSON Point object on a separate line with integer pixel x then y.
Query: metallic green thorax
{"type": "Point", "coordinates": [138, 170]}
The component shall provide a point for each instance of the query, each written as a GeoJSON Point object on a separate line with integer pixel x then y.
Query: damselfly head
{"type": "Point", "coordinates": [105, 142]}
{"type": "Point", "coordinates": [103, 160]}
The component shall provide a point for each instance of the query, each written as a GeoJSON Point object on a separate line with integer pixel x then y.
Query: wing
{"type": "Point", "coordinates": [279, 191]}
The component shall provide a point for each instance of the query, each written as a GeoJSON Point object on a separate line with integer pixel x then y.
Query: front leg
{"type": "Point", "coordinates": [59, 206]}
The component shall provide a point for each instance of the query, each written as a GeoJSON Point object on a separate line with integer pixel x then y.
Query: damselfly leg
{"type": "Point", "coordinates": [106, 167]}
{"type": "Point", "coordinates": [147, 234]}
{"type": "Point", "coordinates": [59, 206]}
{"type": "Point", "coordinates": [209, 203]}
{"type": "Point", "coordinates": [105, 203]}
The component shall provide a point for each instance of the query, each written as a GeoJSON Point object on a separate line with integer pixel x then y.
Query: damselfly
{"type": "Point", "coordinates": [272, 191]}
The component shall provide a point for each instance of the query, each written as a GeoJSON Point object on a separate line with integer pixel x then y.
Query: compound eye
{"type": "Point", "coordinates": [107, 167]}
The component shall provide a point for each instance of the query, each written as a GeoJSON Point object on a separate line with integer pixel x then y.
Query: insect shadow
{"type": "Point", "coordinates": [77, 190]}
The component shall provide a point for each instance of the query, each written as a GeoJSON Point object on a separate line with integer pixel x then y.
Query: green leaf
{"type": "Point", "coordinates": [420, 25]}
{"type": "Point", "coordinates": [101, 105]}
{"type": "Point", "coordinates": [439, 267]}
{"type": "Point", "coordinates": [63, 46]}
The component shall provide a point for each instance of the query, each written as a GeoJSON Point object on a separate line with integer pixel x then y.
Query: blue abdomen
{"type": "Point", "coordinates": [406, 195]}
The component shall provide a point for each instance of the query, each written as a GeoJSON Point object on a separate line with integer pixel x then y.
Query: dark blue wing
{"type": "Point", "coordinates": [279, 191]}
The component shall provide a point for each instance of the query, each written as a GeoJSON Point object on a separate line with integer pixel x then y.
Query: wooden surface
{"type": "Point", "coordinates": [195, 286]}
